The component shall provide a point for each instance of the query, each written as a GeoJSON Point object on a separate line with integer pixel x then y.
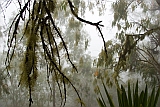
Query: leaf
{"type": "Point", "coordinates": [145, 97]}
{"type": "Point", "coordinates": [129, 95]}
{"type": "Point", "coordinates": [136, 102]}
{"type": "Point", "coordinates": [102, 99]}
{"type": "Point", "coordinates": [119, 98]}
{"type": "Point", "coordinates": [151, 99]}
{"type": "Point", "coordinates": [124, 97]}
{"type": "Point", "coordinates": [100, 102]}
{"type": "Point", "coordinates": [108, 96]}
{"type": "Point", "coordinates": [86, 44]}
{"type": "Point", "coordinates": [157, 96]}
{"type": "Point", "coordinates": [141, 98]}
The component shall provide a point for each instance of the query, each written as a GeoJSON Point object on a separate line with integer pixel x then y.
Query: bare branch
{"type": "Point", "coordinates": [147, 33]}
{"type": "Point", "coordinates": [88, 22]}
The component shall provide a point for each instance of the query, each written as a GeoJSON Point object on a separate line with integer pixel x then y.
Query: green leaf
{"type": "Point", "coordinates": [102, 99]}
{"type": "Point", "coordinates": [108, 96]}
{"type": "Point", "coordinates": [145, 97]}
{"type": "Point", "coordinates": [141, 98]}
{"type": "Point", "coordinates": [100, 102]}
{"type": "Point", "coordinates": [119, 97]}
{"type": "Point", "coordinates": [124, 97]}
{"type": "Point", "coordinates": [136, 102]}
{"type": "Point", "coordinates": [129, 95]}
{"type": "Point", "coordinates": [151, 99]}
{"type": "Point", "coordinates": [157, 96]}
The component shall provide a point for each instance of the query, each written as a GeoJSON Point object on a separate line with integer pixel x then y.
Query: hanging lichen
{"type": "Point", "coordinates": [29, 63]}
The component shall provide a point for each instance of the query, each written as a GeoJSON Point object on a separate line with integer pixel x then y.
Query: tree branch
{"type": "Point", "coordinates": [88, 22]}
{"type": "Point", "coordinates": [52, 21]}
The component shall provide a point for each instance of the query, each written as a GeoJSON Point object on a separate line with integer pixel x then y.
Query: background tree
{"type": "Point", "coordinates": [127, 51]}
{"type": "Point", "coordinates": [43, 38]}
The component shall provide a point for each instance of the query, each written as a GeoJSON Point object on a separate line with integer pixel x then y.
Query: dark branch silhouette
{"type": "Point", "coordinates": [88, 22]}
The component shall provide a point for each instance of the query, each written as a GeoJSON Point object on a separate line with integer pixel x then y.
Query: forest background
{"type": "Point", "coordinates": [48, 51]}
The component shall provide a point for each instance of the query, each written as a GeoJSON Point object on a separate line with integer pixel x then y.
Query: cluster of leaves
{"type": "Point", "coordinates": [133, 99]}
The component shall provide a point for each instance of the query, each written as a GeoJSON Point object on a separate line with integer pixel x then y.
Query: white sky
{"type": "Point", "coordinates": [96, 42]}
{"type": "Point", "coordinates": [4, 19]}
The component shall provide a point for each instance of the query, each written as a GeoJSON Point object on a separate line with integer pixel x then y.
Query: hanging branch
{"type": "Point", "coordinates": [57, 50]}
{"type": "Point", "coordinates": [56, 45]}
{"type": "Point", "coordinates": [59, 34]}
{"type": "Point", "coordinates": [11, 39]}
{"type": "Point", "coordinates": [30, 92]}
{"type": "Point", "coordinates": [55, 65]}
{"type": "Point", "coordinates": [88, 22]}
{"type": "Point", "coordinates": [60, 91]}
